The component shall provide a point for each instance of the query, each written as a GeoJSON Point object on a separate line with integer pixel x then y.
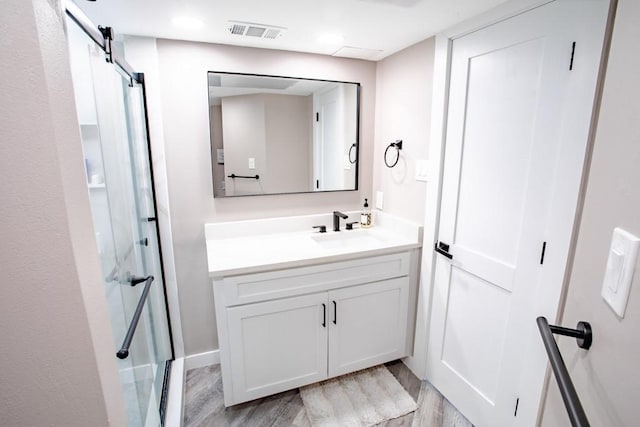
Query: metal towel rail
{"type": "Point", "coordinates": [584, 338]}
{"type": "Point", "coordinates": [234, 176]}
{"type": "Point", "coordinates": [123, 353]}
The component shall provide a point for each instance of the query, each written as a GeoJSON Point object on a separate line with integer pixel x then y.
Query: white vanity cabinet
{"type": "Point", "coordinates": [282, 329]}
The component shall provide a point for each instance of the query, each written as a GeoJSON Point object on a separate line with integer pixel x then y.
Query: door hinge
{"type": "Point", "coordinates": [544, 248]}
{"type": "Point", "coordinates": [317, 117]}
{"type": "Point", "coordinates": [515, 412]}
{"type": "Point", "coordinates": [573, 51]}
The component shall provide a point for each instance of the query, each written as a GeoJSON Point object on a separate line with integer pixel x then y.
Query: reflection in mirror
{"type": "Point", "coordinates": [274, 135]}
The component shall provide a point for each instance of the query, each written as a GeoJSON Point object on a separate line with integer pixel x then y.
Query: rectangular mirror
{"type": "Point", "coordinates": [276, 135]}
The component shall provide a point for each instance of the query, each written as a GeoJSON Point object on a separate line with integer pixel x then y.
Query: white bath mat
{"type": "Point", "coordinates": [364, 398]}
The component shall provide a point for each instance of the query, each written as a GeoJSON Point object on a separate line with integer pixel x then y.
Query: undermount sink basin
{"type": "Point", "coordinates": [347, 239]}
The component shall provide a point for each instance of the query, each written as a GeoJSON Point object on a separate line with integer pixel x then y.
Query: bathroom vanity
{"type": "Point", "coordinates": [295, 306]}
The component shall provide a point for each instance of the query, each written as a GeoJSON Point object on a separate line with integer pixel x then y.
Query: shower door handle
{"type": "Point", "coordinates": [134, 280]}
{"type": "Point", "coordinates": [123, 353]}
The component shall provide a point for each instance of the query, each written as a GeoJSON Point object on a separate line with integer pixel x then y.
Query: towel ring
{"type": "Point", "coordinates": [356, 157]}
{"type": "Point", "coordinates": [398, 146]}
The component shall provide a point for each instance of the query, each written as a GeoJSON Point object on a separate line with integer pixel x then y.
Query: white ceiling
{"type": "Point", "coordinates": [382, 27]}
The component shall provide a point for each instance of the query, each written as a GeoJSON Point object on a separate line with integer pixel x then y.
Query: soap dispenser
{"type": "Point", "coordinates": [365, 216]}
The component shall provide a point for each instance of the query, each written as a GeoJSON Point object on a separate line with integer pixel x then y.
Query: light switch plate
{"type": "Point", "coordinates": [621, 264]}
{"type": "Point", "coordinates": [252, 163]}
{"type": "Point", "coordinates": [346, 162]}
{"type": "Point", "coordinates": [422, 170]}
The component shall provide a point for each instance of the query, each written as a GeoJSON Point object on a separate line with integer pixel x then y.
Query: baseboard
{"type": "Point", "coordinates": [173, 416]}
{"type": "Point", "coordinates": [201, 360]}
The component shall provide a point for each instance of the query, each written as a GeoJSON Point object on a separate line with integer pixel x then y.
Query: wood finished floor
{"type": "Point", "coordinates": [204, 404]}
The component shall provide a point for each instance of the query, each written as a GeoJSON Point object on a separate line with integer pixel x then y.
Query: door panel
{"type": "Point", "coordinates": [476, 315]}
{"type": "Point", "coordinates": [281, 344]}
{"type": "Point", "coordinates": [367, 325]}
{"type": "Point", "coordinates": [510, 140]}
{"type": "Point", "coordinates": [498, 138]}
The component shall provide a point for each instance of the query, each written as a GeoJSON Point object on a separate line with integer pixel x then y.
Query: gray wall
{"type": "Point", "coordinates": [215, 129]}
{"type": "Point", "coordinates": [57, 348]}
{"type": "Point", "coordinates": [404, 88]}
{"type": "Point", "coordinates": [607, 377]}
{"type": "Point", "coordinates": [399, 111]}
{"type": "Point", "coordinates": [244, 137]}
{"type": "Point", "coordinates": [289, 138]}
{"type": "Point", "coordinates": [274, 130]}
{"type": "Point", "coordinates": [404, 84]}
{"type": "Point", "coordinates": [182, 68]}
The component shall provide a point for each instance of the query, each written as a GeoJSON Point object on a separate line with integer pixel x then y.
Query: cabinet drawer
{"type": "Point", "coordinates": [236, 290]}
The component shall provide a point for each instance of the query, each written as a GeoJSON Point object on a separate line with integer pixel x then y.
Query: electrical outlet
{"type": "Point", "coordinates": [379, 200]}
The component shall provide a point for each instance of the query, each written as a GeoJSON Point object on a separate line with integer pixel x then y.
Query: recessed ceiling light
{"type": "Point", "coordinates": [187, 23]}
{"type": "Point", "coordinates": [331, 39]}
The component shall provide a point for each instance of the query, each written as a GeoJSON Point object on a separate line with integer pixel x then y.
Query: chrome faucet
{"type": "Point", "coordinates": [336, 219]}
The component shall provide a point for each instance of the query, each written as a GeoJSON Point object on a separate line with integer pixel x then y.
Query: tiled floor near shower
{"type": "Point", "coordinates": [204, 404]}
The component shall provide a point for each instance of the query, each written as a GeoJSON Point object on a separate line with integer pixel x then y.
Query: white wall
{"type": "Point", "coordinates": [607, 377]}
{"type": "Point", "coordinates": [403, 111]}
{"type": "Point", "coordinates": [182, 67]}
{"type": "Point", "coordinates": [59, 366]}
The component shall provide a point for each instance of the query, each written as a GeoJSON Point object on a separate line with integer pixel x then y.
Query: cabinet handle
{"type": "Point", "coordinates": [335, 313]}
{"type": "Point", "coordinates": [324, 315]}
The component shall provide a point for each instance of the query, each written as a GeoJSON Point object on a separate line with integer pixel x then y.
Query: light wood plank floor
{"type": "Point", "coordinates": [204, 404]}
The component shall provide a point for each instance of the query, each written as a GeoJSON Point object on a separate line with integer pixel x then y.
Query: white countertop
{"type": "Point", "coordinates": [244, 247]}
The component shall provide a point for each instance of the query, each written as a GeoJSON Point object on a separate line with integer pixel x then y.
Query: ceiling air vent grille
{"type": "Point", "coordinates": [261, 31]}
{"type": "Point", "coordinates": [237, 29]}
{"type": "Point", "coordinates": [272, 33]}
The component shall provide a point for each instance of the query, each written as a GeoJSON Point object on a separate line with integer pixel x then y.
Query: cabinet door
{"type": "Point", "coordinates": [368, 325]}
{"type": "Point", "coordinates": [277, 345]}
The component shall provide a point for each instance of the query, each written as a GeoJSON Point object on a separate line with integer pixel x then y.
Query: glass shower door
{"type": "Point", "coordinates": [146, 234]}
{"type": "Point", "coordinates": [113, 127]}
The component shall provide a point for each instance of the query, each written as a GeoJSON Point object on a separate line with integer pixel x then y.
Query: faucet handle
{"type": "Point", "coordinates": [350, 225]}
{"type": "Point", "coordinates": [322, 228]}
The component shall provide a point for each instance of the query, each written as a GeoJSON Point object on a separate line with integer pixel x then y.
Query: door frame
{"type": "Point", "coordinates": [533, 405]}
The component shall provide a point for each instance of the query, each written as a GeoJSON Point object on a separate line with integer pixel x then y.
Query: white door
{"type": "Point", "coordinates": [518, 121]}
{"type": "Point", "coordinates": [368, 325]}
{"type": "Point", "coordinates": [278, 345]}
{"type": "Point", "coordinates": [328, 142]}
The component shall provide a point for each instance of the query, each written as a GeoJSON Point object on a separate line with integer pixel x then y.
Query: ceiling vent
{"type": "Point", "coordinates": [260, 31]}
